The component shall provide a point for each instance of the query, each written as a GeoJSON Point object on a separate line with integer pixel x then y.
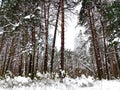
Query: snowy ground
{"type": "Point", "coordinates": [82, 83]}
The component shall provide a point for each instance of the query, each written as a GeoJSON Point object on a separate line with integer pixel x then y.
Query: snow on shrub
{"type": "Point", "coordinates": [82, 81]}
{"type": "Point", "coordinates": [45, 80]}
{"type": "Point", "coordinates": [21, 81]}
{"type": "Point", "coordinates": [16, 81]}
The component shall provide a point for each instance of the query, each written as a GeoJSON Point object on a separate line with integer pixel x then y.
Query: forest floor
{"type": "Point", "coordinates": [80, 83]}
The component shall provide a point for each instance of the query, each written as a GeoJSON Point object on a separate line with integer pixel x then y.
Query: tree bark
{"type": "Point", "coordinates": [95, 44]}
{"type": "Point", "coordinates": [105, 49]}
{"type": "Point", "coordinates": [11, 51]}
{"type": "Point", "coordinates": [54, 39]}
{"type": "Point", "coordinates": [2, 42]}
{"type": "Point", "coordinates": [62, 38]}
{"type": "Point", "coordinates": [117, 57]}
{"type": "Point", "coordinates": [5, 60]}
{"type": "Point", "coordinates": [30, 64]}
{"type": "Point", "coordinates": [46, 16]}
{"type": "Point", "coordinates": [21, 65]}
{"type": "Point", "coordinates": [33, 53]}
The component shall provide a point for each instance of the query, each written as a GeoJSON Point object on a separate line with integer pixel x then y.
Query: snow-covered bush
{"type": "Point", "coordinates": [16, 81]}
{"type": "Point", "coordinates": [82, 81]}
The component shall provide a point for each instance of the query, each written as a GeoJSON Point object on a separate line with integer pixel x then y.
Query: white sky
{"type": "Point", "coordinates": [0, 2]}
{"type": "Point", "coordinates": [71, 31]}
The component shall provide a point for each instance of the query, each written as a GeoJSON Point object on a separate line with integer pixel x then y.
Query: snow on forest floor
{"type": "Point", "coordinates": [80, 83]}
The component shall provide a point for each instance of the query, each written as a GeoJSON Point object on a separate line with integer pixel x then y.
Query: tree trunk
{"type": "Point", "coordinates": [117, 72]}
{"type": "Point", "coordinates": [117, 57]}
{"type": "Point", "coordinates": [30, 64]}
{"type": "Point", "coordinates": [54, 39]}
{"type": "Point", "coordinates": [46, 16]}
{"type": "Point", "coordinates": [62, 38]}
{"type": "Point", "coordinates": [34, 52]}
{"type": "Point", "coordinates": [11, 52]}
{"type": "Point", "coordinates": [21, 65]}
{"type": "Point", "coordinates": [2, 42]}
{"type": "Point", "coordinates": [113, 64]}
{"type": "Point", "coordinates": [95, 44]}
{"type": "Point", "coordinates": [5, 60]}
{"type": "Point", "coordinates": [105, 49]}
